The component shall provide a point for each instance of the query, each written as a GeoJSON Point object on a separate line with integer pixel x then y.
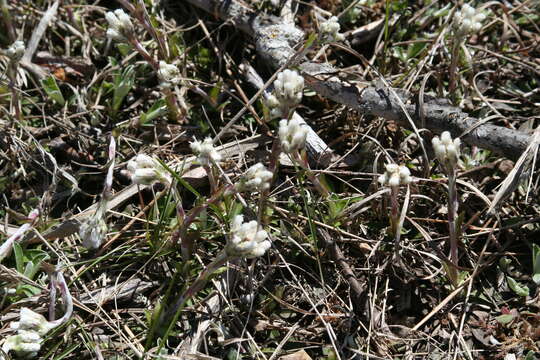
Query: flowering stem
{"type": "Point", "coordinates": [141, 15]}
{"type": "Point", "coordinates": [394, 214]}
{"type": "Point", "coordinates": [452, 230]}
{"type": "Point", "coordinates": [273, 167]}
{"type": "Point", "coordinates": [211, 178]}
{"type": "Point", "coordinates": [7, 20]}
{"type": "Point", "coordinates": [185, 245]}
{"type": "Point", "coordinates": [195, 287]}
{"type": "Point", "coordinates": [58, 280]}
{"type": "Point", "coordinates": [453, 65]}
{"type": "Point", "coordinates": [311, 176]}
{"type": "Point", "coordinates": [172, 105]}
{"type": "Point", "coordinates": [12, 74]}
{"type": "Point", "coordinates": [141, 50]}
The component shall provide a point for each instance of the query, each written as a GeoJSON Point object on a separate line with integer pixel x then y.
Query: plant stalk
{"type": "Point", "coordinates": [452, 230]}
{"type": "Point", "coordinates": [174, 312]}
{"type": "Point", "coordinates": [394, 213]}
{"type": "Point", "coordinates": [453, 65]}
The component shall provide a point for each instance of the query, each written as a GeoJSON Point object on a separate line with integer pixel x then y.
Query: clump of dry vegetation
{"type": "Point", "coordinates": [337, 179]}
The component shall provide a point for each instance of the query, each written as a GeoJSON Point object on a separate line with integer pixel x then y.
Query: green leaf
{"type": "Point", "coordinates": [536, 259]}
{"type": "Point", "coordinates": [123, 83]}
{"type": "Point", "coordinates": [28, 290]}
{"type": "Point", "coordinates": [310, 40]}
{"type": "Point", "coordinates": [53, 91]}
{"type": "Point", "coordinates": [399, 53]}
{"type": "Point", "coordinates": [35, 258]}
{"type": "Point", "coordinates": [519, 289]}
{"type": "Point", "coordinates": [158, 108]}
{"type": "Point", "coordinates": [19, 257]}
{"type": "Point", "coordinates": [442, 12]}
{"type": "Point", "coordinates": [505, 319]}
{"type": "Point", "coordinates": [415, 49]}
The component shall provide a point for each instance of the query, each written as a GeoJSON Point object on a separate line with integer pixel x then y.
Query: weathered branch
{"type": "Point", "coordinates": [275, 41]}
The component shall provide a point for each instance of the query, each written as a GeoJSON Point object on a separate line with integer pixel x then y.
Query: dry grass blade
{"type": "Point", "coordinates": [522, 166]}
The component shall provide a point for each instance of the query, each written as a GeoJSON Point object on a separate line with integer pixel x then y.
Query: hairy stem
{"type": "Point", "coordinates": [174, 312]}
{"type": "Point", "coordinates": [452, 230]}
{"type": "Point", "coordinates": [453, 65]}
{"type": "Point", "coordinates": [394, 213]}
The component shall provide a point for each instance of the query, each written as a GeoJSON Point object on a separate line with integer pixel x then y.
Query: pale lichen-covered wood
{"type": "Point", "coordinates": [439, 115]}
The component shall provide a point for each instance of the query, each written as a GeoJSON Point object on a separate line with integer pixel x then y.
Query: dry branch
{"type": "Point", "coordinates": [275, 41]}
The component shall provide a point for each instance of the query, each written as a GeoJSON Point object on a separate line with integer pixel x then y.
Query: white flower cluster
{"type": "Point", "coordinates": [292, 135]}
{"type": "Point", "coordinates": [120, 25]}
{"type": "Point", "coordinates": [169, 74]}
{"type": "Point", "coordinates": [256, 178]}
{"type": "Point", "coordinates": [395, 175]}
{"type": "Point", "coordinates": [447, 150]}
{"type": "Point", "coordinates": [467, 20]}
{"type": "Point", "coordinates": [246, 240]}
{"type": "Point", "coordinates": [145, 170]}
{"type": "Point", "coordinates": [330, 30]}
{"type": "Point", "coordinates": [287, 93]}
{"type": "Point", "coordinates": [357, 10]}
{"type": "Point", "coordinates": [16, 51]}
{"type": "Point", "coordinates": [94, 230]}
{"type": "Point", "coordinates": [205, 151]}
{"type": "Point", "coordinates": [31, 328]}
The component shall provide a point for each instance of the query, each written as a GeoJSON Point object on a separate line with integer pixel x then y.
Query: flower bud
{"type": "Point", "coordinates": [287, 93]}
{"type": "Point", "coordinates": [330, 30]}
{"type": "Point", "coordinates": [16, 51]}
{"type": "Point", "coordinates": [467, 21]}
{"type": "Point", "coordinates": [246, 240]}
{"type": "Point", "coordinates": [256, 178]}
{"type": "Point", "coordinates": [205, 151]}
{"type": "Point", "coordinates": [145, 170]}
{"type": "Point", "coordinates": [395, 175]}
{"type": "Point", "coordinates": [292, 135]}
{"type": "Point", "coordinates": [447, 151]}
{"type": "Point", "coordinates": [169, 74]}
{"type": "Point", "coordinates": [120, 25]}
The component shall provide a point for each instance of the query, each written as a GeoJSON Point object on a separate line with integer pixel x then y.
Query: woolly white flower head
{"type": "Point", "coordinates": [330, 30]}
{"type": "Point", "coordinates": [31, 328]}
{"type": "Point", "coordinates": [287, 93]}
{"type": "Point", "coordinates": [292, 135]}
{"type": "Point", "coordinates": [205, 151]}
{"type": "Point", "coordinates": [256, 178]}
{"type": "Point", "coordinates": [447, 150]}
{"type": "Point", "coordinates": [16, 51]}
{"type": "Point", "coordinates": [246, 240]}
{"type": "Point", "coordinates": [94, 230]}
{"type": "Point", "coordinates": [32, 321]}
{"type": "Point", "coordinates": [120, 25]}
{"type": "Point", "coordinates": [395, 175]}
{"type": "Point", "coordinates": [26, 344]}
{"type": "Point", "coordinates": [145, 170]}
{"type": "Point", "coordinates": [169, 74]}
{"type": "Point", "coordinates": [357, 10]}
{"type": "Point", "coordinates": [467, 20]}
